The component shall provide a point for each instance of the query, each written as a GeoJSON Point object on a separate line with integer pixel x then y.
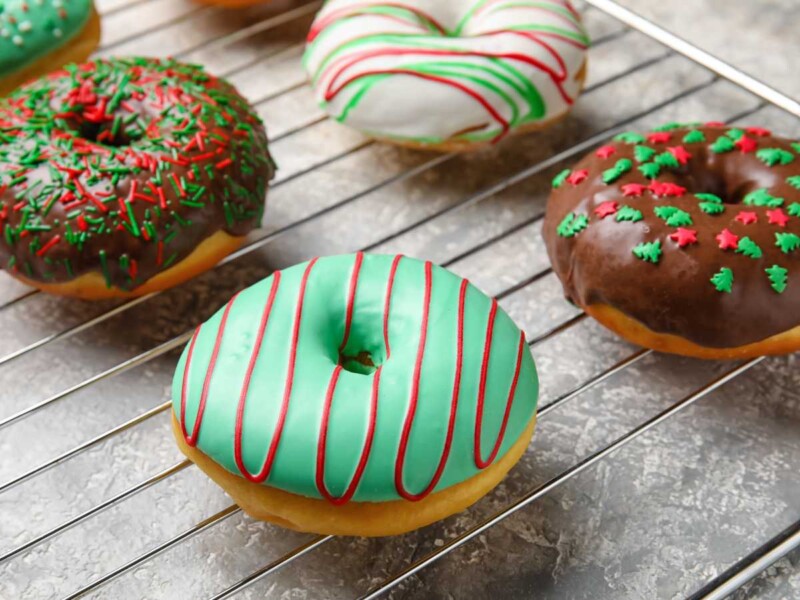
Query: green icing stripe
{"type": "Point", "coordinates": [31, 29]}
{"type": "Point", "coordinates": [319, 337]}
{"type": "Point", "coordinates": [351, 54]}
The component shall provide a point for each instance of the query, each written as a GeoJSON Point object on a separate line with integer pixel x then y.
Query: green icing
{"type": "Point", "coordinates": [30, 29]}
{"type": "Point", "coordinates": [320, 335]}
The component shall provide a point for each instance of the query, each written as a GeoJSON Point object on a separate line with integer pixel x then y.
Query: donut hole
{"type": "Point", "coordinates": [103, 133]}
{"type": "Point", "coordinates": [729, 188]}
{"type": "Point", "coordinates": [361, 362]}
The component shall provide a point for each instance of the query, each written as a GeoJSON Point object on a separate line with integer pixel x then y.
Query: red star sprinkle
{"type": "Point", "coordinates": [680, 154]}
{"type": "Point", "coordinates": [633, 189]}
{"type": "Point", "coordinates": [605, 151]}
{"type": "Point", "coordinates": [684, 236]}
{"type": "Point", "coordinates": [659, 137]}
{"type": "Point", "coordinates": [577, 176]}
{"type": "Point", "coordinates": [664, 188]}
{"type": "Point", "coordinates": [747, 218]}
{"type": "Point", "coordinates": [715, 124]}
{"type": "Point", "coordinates": [758, 131]}
{"type": "Point", "coordinates": [606, 208]}
{"type": "Point", "coordinates": [745, 144]}
{"type": "Point", "coordinates": [778, 217]}
{"type": "Point", "coordinates": [728, 240]}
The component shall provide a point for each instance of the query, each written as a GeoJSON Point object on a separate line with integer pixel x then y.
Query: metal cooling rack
{"type": "Point", "coordinates": [96, 502]}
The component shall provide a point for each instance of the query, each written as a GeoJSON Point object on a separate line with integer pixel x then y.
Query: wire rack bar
{"type": "Point", "coordinates": [225, 513]}
{"type": "Point", "coordinates": [560, 479]}
{"type": "Point", "coordinates": [131, 491]}
{"type": "Point", "coordinates": [698, 55]}
{"type": "Point", "coordinates": [751, 566]}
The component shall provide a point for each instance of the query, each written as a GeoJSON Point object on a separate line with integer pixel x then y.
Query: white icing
{"type": "Point", "coordinates": [411, 105]}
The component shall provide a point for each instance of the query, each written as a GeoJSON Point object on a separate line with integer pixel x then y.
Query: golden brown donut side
{"type": "Point", "coordinates": [367, 519]}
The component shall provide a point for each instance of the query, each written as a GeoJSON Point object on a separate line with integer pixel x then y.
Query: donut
{"type": "Point", "coordinates": [685, 239]}
{"type": "Point", "coordinates": [126, 176]}
{"type": "Point", "coordinates": [360, 395]}
{"type": "Point", "coordinates": [39, 36]}
{"type": "Point", "coordinates": [446, 75]}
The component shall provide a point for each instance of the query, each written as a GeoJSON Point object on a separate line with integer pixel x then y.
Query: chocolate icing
{"type": "Point", "coordinates": [674, 295]}
{"type": "Point", "coordinates": [122, 167]}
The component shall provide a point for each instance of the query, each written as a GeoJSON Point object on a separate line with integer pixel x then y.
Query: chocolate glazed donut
{"type": "Point", "coordinates": [124, 176]}
{"type": "Point", "coordinates": [685, 240]}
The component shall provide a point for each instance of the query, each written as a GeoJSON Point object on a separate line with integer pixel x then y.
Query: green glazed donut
{"type": "Point", "coordinates": [368, 378]}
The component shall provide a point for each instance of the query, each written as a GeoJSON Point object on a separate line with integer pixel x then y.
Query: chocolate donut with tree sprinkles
{"type": "Point", "coordinates": [446, 75]}
{"type": "Point", "coordinates": [356, 395]}
{"type": "Point", "coordinates": [39, 36]}
{"type": "Point", "coordinates": [121, 177]}
{"type": "Point", "coordinates": [685, 239]}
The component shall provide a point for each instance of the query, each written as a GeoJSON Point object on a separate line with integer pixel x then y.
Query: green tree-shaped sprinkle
{"type": "Point", "coordinates": [723, 280]}
{"type": "Point", "coordinates": [778, 277]}
{"type": "Point", "coordinates": [650, 170]}
{"type": "Point", "coordinates": [794, 181]}
{"type": "Point", "coordinates": [749, 248]}
{"type": "Point", "coordinates": [572, 225]}
{"type": "Point", "coordinates": [761, 197]}
{"type": "Point", "coordinates": [722, 144]}
{"type": "Point", "coordinates": [618, 170]}
{"type": "Point", "coordinates": [628, 213]}
{"type": "Point", "coordinates": [793, 209]}
{"type": "Point", "coordinates": [787, 242]}
{"type": "Point", "coordinates": [648, 251]}
{"type": "Point", "coordinates": [643, 153]}
{"type": "Point", "coordinates": [630, 137]}
{"type": "Point", "coordinates": [667, 160]}
{"type": "Point", "coordinates": [673, 216]}
{"type": "Point", "coordinates": [559, 179]}
{"type": "Point", "coordinates": [695, 136]}
{"type": "Point", "coordinates": [775, 156]}
{"type": "Point", "coordinates": [735, 134]}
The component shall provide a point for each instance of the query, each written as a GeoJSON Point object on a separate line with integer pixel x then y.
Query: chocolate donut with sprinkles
{"type": "Point", "coordinates": [356, 395]}
{"type": "Point", "coordinates": [685, 239]}
{"type": "Point", "coordinates": [40, 36]}
{"type": "Point", "coordinates": [446, 75]}
{"type": "Point", "coordinates": [126, 176]}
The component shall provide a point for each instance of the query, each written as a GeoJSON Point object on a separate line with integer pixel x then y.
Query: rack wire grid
{"type": "Point", "coordinates": [650, 475]}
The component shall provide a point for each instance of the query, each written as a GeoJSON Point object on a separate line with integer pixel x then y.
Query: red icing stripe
{"type": "Point", "coordinates": [453, 411]}
{"type": "Point", "coordinates": [238, 434]}
{"type": "Point", "coordinates": [373, 415]}
{"type": "Point", "coordinates": [351, 298]}
{"type": "Point", "coordinates": [388, 303]}
{"type": "Point", "coordinates": [412, 403]}
{"type": "Point", "coordinates": [330, 93]}
{"type": "Point", "coordinates": [191, 440]}
{"type": "Point", "coordinates": [185, 382]}
{"type": "Point", "coordinates": [479, 462]}
{"type": "Point", "coordinates": [287, 391]}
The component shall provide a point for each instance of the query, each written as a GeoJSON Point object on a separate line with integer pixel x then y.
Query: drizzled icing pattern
{"type": "Point", "coordinates": [30, 29]}
{"type": "Point", "coordinates": [357, 377]}
{"type": "Point", "coordinates": [430, 70]}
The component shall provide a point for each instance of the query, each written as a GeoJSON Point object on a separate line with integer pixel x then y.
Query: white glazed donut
{"type": "Point", "coordinates": [446, 73]}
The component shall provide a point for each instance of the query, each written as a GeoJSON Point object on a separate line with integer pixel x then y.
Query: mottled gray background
{"type": "Point", "coordinates": [656, 520]}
